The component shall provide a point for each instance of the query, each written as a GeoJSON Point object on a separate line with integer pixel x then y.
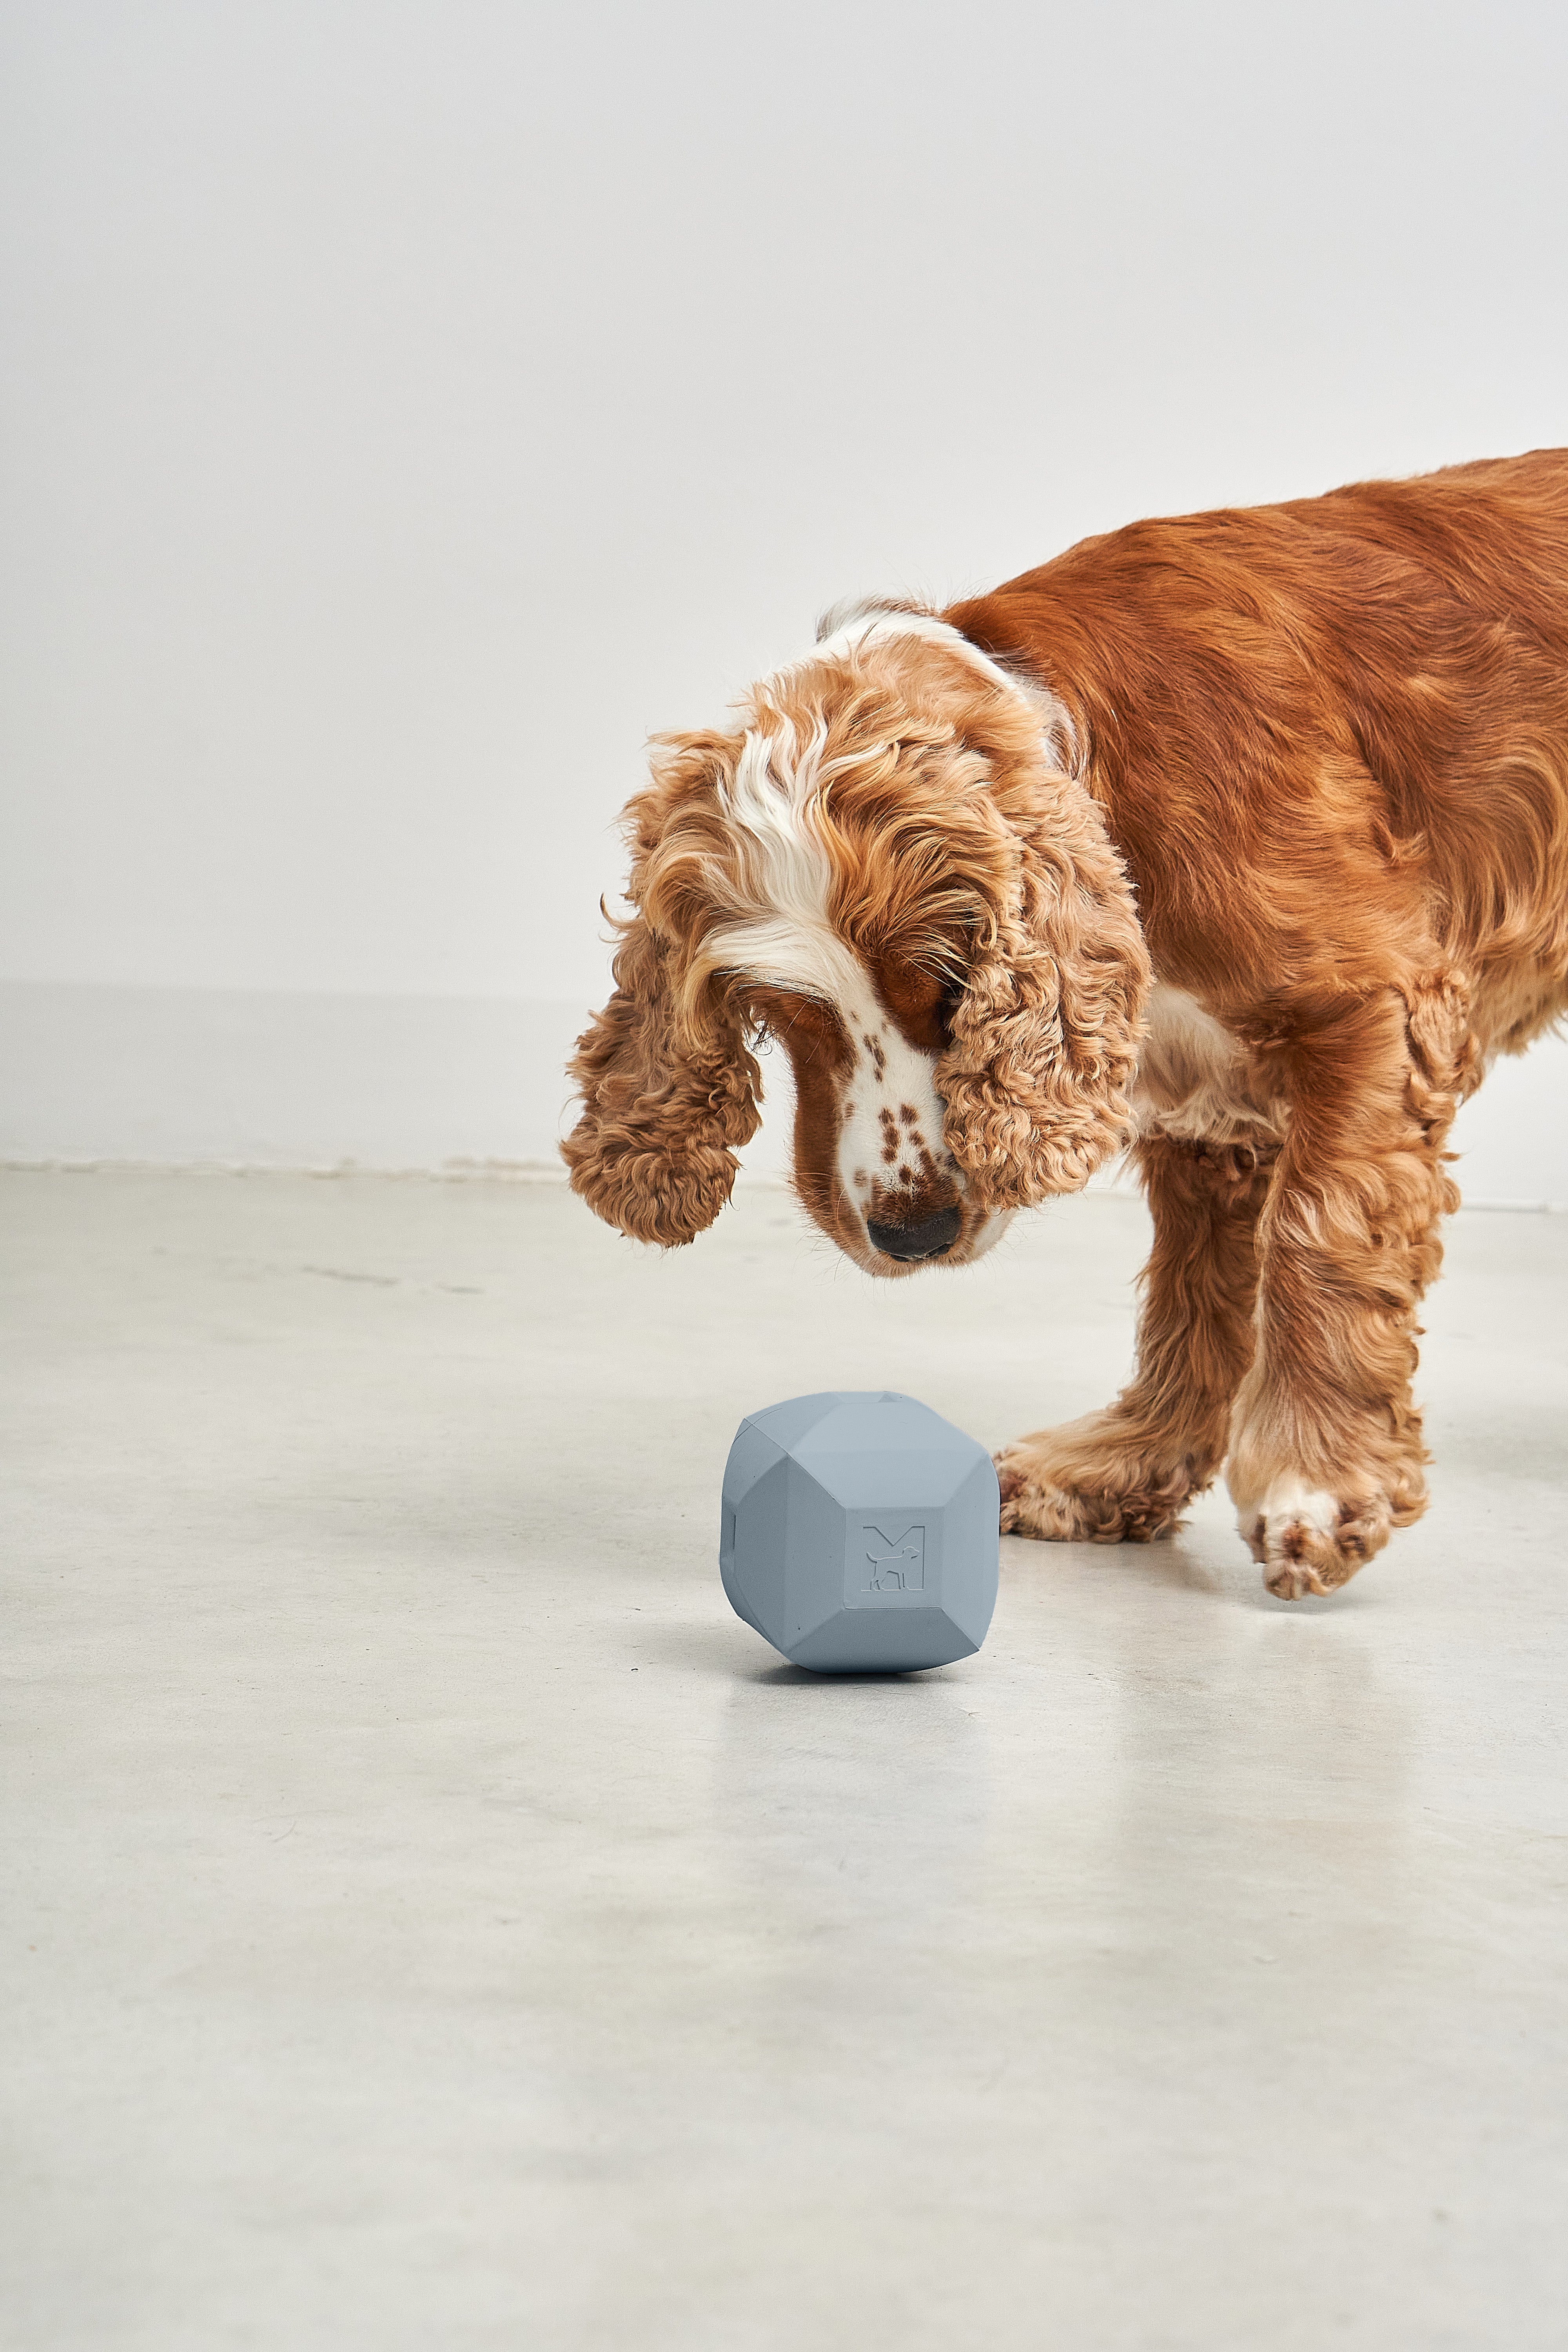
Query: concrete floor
{"type": "Point", "coordinates": [434, 1920]}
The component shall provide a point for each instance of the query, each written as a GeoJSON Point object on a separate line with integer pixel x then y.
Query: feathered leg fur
{"type": "Point", "coordinates": [1125, 1474]}
{"type": "Point", "coordinates": [1326, 1455]}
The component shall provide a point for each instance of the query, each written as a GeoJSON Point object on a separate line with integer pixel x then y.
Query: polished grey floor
{"type": "Point", "coordinates": [434, 1920]}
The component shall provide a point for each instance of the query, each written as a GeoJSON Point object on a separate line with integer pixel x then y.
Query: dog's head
{"type": "Point", "coordinates": [888, 866]}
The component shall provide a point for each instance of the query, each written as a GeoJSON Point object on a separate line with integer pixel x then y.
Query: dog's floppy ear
{"type": "Point", "coordinates": [670, 1089]}
{"type": "Point", "coordinates": [1044, 1035]}
{"type": "Point", "coordinates": [666, 1101]}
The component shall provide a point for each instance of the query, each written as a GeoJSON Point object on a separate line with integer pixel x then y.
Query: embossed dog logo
{"type": "Point", "coordinates": [898, 1562]}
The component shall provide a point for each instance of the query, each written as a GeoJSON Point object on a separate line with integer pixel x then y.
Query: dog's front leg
{"type": "Point", "coordinates": [1125, 1474]}
{"type": "Point", "coordinates": [1326, 1455]}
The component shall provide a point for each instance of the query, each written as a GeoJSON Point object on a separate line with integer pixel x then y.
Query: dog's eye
{"type": "Point", "coordinates": [757, 1026]}
{"type": "Point", "coordinates": [920, 999]}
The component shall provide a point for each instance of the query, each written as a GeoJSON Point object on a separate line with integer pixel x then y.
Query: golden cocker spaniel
{"type": "Point", "coordinates": [1240, 839]}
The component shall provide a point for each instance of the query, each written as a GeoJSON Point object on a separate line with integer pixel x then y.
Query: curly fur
{"type": "Point", "coordinates": [1044, 1035]}
{"type": "Point", "coordinates": [668, 1088]}
{"type": "Point", "coordinates": [669, 1099]}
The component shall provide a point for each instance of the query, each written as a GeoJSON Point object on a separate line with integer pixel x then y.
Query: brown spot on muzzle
{"type": "Point", "coordinates": [911, 1198]}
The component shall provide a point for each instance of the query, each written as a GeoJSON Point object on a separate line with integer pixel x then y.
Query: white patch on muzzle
{"type": "Point", "coordinates": [795, 946]}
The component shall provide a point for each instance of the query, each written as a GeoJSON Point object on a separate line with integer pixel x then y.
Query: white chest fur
{"type": "Point", "coordinates": [1193, 1078]}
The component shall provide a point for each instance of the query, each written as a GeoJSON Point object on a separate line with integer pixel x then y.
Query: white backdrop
{"type": "Point", "coordinates": [410, 403]}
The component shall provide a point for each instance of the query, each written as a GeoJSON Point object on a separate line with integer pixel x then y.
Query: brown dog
{"type": "Point", "coordinates": [1243, 837]}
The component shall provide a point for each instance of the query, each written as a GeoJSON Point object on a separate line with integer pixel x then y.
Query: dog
{"type": "Point", "coordinates": [1237, 840]}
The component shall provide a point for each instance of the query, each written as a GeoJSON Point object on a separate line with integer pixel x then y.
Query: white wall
{"type": "Point", "coordinates": [411, 402]}
{"type": "Point", "coordinates": [256, 1078]}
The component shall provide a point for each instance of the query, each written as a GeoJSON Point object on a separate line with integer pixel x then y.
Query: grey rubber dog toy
{"type": "Point", "coordinates": [859, 1533]}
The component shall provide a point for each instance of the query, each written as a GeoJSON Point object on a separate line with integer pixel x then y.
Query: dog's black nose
{"type": "Point", "coordinates": [932, 1238]}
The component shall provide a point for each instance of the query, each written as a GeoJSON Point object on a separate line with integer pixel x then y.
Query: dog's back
{"type": "Point", "coordinates": [1331, 720]}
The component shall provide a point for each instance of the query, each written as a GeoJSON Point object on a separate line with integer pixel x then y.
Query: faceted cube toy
{"type": "Point", "coordinates": [859, 1533]}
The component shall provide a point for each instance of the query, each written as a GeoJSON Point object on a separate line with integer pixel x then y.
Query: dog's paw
{"type": "Point", "coordinates": [1306, 1541]}
{"type": "Point", "coordinates": [1074, 1485]}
